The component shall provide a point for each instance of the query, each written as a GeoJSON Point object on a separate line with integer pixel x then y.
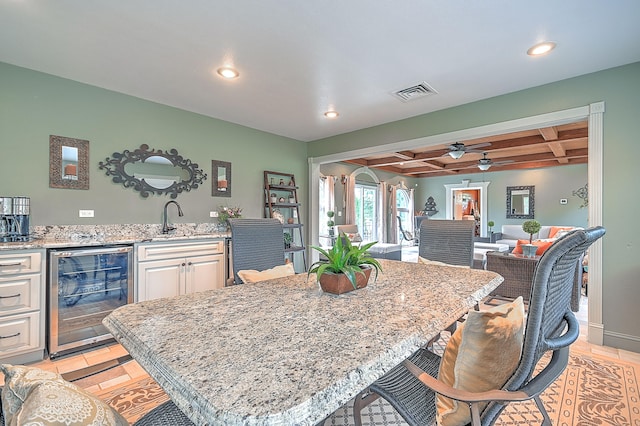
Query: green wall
{"type": "Point", "coordinates": [35, 105]}
{"type": "Point", "coordinates": [551, 185]}
{"type": "Point", "coordinates": [619, 89]}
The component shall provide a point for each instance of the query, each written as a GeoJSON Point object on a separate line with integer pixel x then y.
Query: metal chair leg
{"type": "Point", "coordinates": [362, 400]}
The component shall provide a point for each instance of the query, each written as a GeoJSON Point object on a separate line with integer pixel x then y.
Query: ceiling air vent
{"type": "Point", "coordinates": [415, 92]}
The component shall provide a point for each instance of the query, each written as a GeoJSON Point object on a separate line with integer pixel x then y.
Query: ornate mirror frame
{"type": "Point", "coordinates": [66, 172]}
{"type": "Point", "coordinates": [220, 178]}
{"type": "Point", "coordinates": [510, 212]}
{"type": "Point", "coordinates": [115, 166]}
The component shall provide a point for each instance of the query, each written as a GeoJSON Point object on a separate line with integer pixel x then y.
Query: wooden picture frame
{"type": "Point", "coordinates": [68, 163]}
{"type": "Point", "coordinates": [220, 178]}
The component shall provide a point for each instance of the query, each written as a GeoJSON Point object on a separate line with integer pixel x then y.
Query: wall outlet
{"type": "Point", "coordinates": [339, 213]}
{"type": "Point", "coordinates": [85, 213]}
{"type": "Point", "coordinates": [213, 214]}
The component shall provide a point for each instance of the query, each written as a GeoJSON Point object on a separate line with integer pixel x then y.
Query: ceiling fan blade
{"type": "Point", "coordinates": [480, 145]}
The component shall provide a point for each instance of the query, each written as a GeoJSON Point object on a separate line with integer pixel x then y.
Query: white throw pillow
{"type": "Point", "coordinates": [481, 355]}
{"type": "Point", "coordinates": [249, 276]}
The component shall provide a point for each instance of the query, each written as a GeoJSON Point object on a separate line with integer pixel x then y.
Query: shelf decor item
{"type": "Point", "coordinates": [346, 267]}
{"type": "Point", "coordinates": [277, 214]}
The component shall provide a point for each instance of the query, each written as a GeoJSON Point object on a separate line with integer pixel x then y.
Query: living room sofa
{"type": "Point", "coordinates": [512, 233]}
{"type": "Point", "coordinates": [391, 251]}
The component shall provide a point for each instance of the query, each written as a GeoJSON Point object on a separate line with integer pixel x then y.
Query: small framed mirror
{"type": "Point", "coordinates": [68, 163]}
{"type": "Point", "coordinates": [151, 171]}
{"type": "Point", "coordinates": [221, 182]}
{"type": "Point", "coordinates": [520, 202]}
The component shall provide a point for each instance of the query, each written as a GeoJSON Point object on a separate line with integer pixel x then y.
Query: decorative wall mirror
{"type": "Point", "coordinates": [221, 178]}
{"type": "Point", "coordinates": [520, 202]}
{"type": "Point", "coordinates": [68, 163]}
{"type": "Point", "coordinates": [153, 171]}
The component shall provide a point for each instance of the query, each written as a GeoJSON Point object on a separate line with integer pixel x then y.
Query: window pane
{"type": "Point", "coordinates": [366, 200]}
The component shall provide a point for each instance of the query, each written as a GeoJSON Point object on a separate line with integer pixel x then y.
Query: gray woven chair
{"type": "Point", "coordinates": [164, 414]}
{"type": "Point", "coordinates": [448, 241]}
{"type": "Point", "coordinates": [256, 244]}
{"type": "Point", "coordinates": [551, 326]}
{"type": "Point", "coordinates": [518, 271]}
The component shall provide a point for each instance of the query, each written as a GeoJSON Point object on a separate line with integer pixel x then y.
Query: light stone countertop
{"type": "Point", "coordinates": [282, 352]}
{"type": "Point", "coordinates": [57, 236]}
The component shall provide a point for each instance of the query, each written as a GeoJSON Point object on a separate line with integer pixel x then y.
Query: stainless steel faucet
{"type": "Point", "coordinates": [165, 227]}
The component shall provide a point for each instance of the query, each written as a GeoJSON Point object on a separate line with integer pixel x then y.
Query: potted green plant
{"type": "Point", "coordinates": [530, 227]}
{"type": "Point", "coordinates": [288, 239]}
{"type": "Point", "coordinates": [346, 267]}
{"type": "Point", "coordinates": [330, 222]}
{"type": "Point", "coordinates": [490, 225]}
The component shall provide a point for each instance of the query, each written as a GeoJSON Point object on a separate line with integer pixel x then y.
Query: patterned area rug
{"type": "Point", "coordinates": [135, 398]}
{"type": "Point", "coordinates": [593, 390]}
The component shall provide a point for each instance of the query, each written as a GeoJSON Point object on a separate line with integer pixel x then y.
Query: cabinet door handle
{"type": "Point", "coordinates": [2, 265]}
{"type": "Point", "coordinates": [190, 263]}
{"type": "Point", "coordinates": [183, 264]}
{"type": "Point", "coordinates": [9, 297]}
{"type": "Point", "coordinates": [11, 335]}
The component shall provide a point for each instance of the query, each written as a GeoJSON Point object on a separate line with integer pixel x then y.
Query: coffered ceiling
{"type": "Point", "coordinates": [546, 147]}
{"type": "Point", "coordinates": [298, 59]}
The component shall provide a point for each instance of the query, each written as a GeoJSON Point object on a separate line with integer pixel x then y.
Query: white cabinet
{"type": "Point", "coordinates": [22, 292]}
{"type": "Point", "coordinates": [166, 269]}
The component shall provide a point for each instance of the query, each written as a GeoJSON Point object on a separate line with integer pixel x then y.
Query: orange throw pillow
{"type": "Point", "coordinates": [543, 245]}
{"type": "Point", "coordinates": [553, 231]}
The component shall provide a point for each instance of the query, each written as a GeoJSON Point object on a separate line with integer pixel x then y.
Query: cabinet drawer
{"type": "Point", "coordinates": [157, 251]}
{"type": "Point", "coordinates": [19, 333]}
{"type": "Point", "coordinates": [19, 262]}
{"type": "Point", "coordinates": [19, 293]}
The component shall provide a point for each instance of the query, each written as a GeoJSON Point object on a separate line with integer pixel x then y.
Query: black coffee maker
{"type": "Point", "coordinates": [14, 218]}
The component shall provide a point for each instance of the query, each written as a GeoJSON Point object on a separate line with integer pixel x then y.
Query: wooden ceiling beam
{"type": "Point", "coordinates": [549, 133]}
{"type": "Point", "coordinates": [559, 151]}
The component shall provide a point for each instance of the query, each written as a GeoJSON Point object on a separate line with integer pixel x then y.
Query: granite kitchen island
{"type": "Point", "coordinates": [284, 352]}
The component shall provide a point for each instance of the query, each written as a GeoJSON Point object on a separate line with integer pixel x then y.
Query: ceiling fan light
{"type": "Point", "coordinates": [456, 154]}
{"type": "Point", "coordinates": [484, 167]}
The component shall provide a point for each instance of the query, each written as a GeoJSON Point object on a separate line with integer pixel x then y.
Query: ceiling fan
{"type": "Point", "coordinates": [485, 163]}
{"type": "Point", "coordinates": [458, 149]}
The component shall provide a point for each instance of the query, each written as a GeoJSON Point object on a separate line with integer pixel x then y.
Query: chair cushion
{"type": "Point", "coordinates": [35, 396]}
{"type": "Point", "coordinates": [249, 276]}
{"type": "Point", "coordinates": [542, 245]}
{"type": "Point", "coordinates": [481, 355]}
{"type": "Point", "coordinates": [437, 263]}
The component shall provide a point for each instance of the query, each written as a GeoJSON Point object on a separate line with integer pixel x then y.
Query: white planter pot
{"type": "Point", "coordinates": [529, 250]}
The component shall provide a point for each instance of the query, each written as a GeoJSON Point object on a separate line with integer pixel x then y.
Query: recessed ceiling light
{"type": "Point", "coordinates": [541, 48]}
{"type": "Point", "coordinates": [228, 72]}
{"type": "Point", "coordinates": [331, 114]}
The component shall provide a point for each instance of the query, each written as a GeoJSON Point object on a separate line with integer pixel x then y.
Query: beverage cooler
{"type": "Point", "coordinates": [84, 286]}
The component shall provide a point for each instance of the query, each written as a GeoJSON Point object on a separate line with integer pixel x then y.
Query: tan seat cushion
{"type": "Point", "coordinates": [481, 355]}
{"type": "Point", "coordinates": [37, 397]}
{"type": "Point", "coordinates": [249, 276]}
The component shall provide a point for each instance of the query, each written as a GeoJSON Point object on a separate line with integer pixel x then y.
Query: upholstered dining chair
{"type": "Point", "coordinates": [448, 241]}
{"type": "Point", "coordinates": [551, 327]}
{"type": "Point", "coordinates": [256, 244]}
